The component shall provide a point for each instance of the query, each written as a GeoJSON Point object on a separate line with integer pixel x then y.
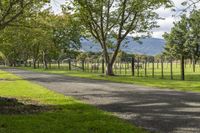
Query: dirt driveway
{"type": "Point", "coordinates": [157, 110]}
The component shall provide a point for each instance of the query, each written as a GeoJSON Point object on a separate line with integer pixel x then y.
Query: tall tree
{"type": "Point", "coordinates": [176, 42]}
{"type": "Point", "coordinates": [194, 36]}
{"type": "Point", "coordinates": [41, 37]}
{"type": "Point", "coordinates": [66, 34]}
{"type": "Point", "coordinates": [108, 19]}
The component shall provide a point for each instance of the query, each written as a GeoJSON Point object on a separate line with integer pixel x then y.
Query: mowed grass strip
{"type": "Point", "coordinates": [39, 110]}
{"type": "Point", "coordinates": [191, 84]}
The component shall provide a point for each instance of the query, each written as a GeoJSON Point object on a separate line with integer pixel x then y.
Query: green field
{"type": "Point", "coordinates": [191, 84]}
{"type": "Point", "coordinates": [30, 108]}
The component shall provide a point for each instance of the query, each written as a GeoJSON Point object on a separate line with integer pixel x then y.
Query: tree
{"type": "Point", "coordinates": [176, 42]}
{"type": "Point", "coordinates": [110, 21]}
{"type": "Point", "coordinates": [194, 37]}
{"type": "Point", "coordinates": [11, 10]}
{"type": "Point", "coordinates": [40, 37]}
{"type": "Point", "coordinates": [66, 35]}
{"type": "Point", "coordinates": [190, 4]}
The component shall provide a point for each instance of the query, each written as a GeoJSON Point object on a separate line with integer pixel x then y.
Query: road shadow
{"type": "Point", "coordinates": [157, 111]}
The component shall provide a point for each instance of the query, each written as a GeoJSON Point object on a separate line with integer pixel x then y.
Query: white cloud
{"type": "Point", "coordinates": [169, 19]}
{"type": "Point", "coordinates": [56, 5]}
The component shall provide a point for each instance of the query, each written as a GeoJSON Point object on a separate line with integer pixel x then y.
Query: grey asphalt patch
{"type": "Point", "coordinates": [156, 110]}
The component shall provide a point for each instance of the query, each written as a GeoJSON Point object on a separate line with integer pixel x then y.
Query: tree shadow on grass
{"type": "Point", "coordinates": [75, 117]}
{"type": "Point", "coordinates": [11, 106]}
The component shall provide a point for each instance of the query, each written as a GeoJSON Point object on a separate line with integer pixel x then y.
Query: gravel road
{"type": "Point", "coordinates": [156, 110]}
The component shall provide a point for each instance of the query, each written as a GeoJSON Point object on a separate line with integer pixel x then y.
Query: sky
{"type": "Point", "coordinates": [165, 25]}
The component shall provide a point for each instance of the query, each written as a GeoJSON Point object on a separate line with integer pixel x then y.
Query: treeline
{"type": "Point", "coordinates": [40, 37]}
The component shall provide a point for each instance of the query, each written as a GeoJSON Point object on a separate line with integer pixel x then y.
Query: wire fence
{"type": "Point", "coordinates": [136, 67]}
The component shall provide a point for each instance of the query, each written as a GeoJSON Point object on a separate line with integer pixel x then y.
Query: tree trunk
{"type": "Point", "coordinates": [182, 68]}
{"type": "Point", "coordinates": [34, 63]}
{"type": "Point", "coordinates": [103, 69]}
{"type": "Point", "coordinates": [194, 64]}
{"type": "Point", "coordinates": [171, 69]}
{"type": "Point", "coordinates": [58, 62]}
{"type": "Point", "coordinates": [109, 70]}
{"type": "Point", "coordinates": [133, 66]}
{"type": "Point", "coordinates": [83, 65]}
{"type": "Point", "coordinates": [45, 64]}
{"type": "Point", "coordinates": [70, 67]}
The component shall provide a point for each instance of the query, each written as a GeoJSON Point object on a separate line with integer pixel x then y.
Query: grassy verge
{"type": "Point", "coordinates": [189, 85]}
{"type": "Point", "coordinates": [29, 108]}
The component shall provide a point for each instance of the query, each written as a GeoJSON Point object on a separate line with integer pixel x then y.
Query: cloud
{"type": "Point", "coordinates": [56, 5]}
{"type": "Point", "coordinates": [169, 19]}
{"type": "Point", "coordinates": [165, 25]}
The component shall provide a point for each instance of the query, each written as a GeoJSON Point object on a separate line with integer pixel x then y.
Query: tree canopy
{"type": "Point", "coordinates": [12, 10]}
{"type": "Point", "coordinates": [110, 21]}
{"type": "Point", "coordinates": [43, 36]}
{"type": "Point", "coordinates": [183, 40]}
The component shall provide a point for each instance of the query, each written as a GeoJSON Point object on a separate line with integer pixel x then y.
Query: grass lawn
{"type": "Point", "coordinates": [29, 108]}
{"type": "Point", "coordinates": [191, 84]}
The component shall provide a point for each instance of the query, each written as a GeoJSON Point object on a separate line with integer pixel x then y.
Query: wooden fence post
{"type": "Point", "coordinates": [133, 66]}
{"type": "Point", "coordinates": [138, 66]}
{"type": "Point", "coordinates": [70, 67]}
{"type": "Point", "coordinates": [145, 67]}
{"type": "Point", "coordinates": [125, 65]}
{"type": "Point", "coordinates": [162, 68]}
{"type": "Point", "coordinates": [153, 68]}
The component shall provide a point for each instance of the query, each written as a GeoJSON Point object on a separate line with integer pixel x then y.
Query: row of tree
{"type": "Point", "coordinates": [36, 32]}
{"type": "Point", "coordinates": [38, 35]}
{"type": "Point", "coordinates": [31, 32]}
{"type": "Point", "coordinates": [183, 42]}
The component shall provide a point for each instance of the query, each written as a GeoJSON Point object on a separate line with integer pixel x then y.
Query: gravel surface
{"type": "Point", "coordinates": [156, 110]}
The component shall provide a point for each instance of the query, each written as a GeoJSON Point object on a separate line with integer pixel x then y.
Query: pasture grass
{"type": "Point", "coordinates": [29, 108]}
{"type": "Point", "coordinates": [190, 84]}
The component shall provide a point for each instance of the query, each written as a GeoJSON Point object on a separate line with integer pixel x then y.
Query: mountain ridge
{"type": "Point", "coordinates": [148, 46]}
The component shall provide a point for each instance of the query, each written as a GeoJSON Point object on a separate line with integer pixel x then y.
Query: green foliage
{"type": "Point", "coordinates": [194, 35]}
{"type": "Point", "coordinates": [184, 38]}
{"type": "Point", "coordinates": [190, 4]}
{"type": "Point", "coordinates": [66, 35]}
{"type": "Point", "coordinates": [12, 11]}
{"type": "Point", "coordinates": [43, 36]}
{"type": "Point", "coordinates": [176, 41]}
{"type": "Point", "coordinates": [109, 19]}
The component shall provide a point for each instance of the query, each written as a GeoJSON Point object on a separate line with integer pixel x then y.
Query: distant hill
{"type": "Point", "coordinates": [148, 46]}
